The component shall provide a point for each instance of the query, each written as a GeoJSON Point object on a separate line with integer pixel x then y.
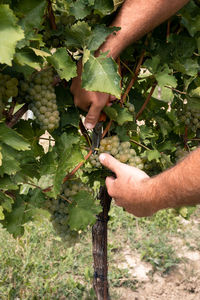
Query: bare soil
{"type": "Point", "coordinates": [182, 282]}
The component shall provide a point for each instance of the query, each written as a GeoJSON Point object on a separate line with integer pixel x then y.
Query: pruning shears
{"type": "Point", "coordinates": [97, 133]}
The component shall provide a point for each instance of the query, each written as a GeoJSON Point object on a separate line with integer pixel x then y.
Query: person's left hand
{"type": "Point", "coordinates": [129, 187]}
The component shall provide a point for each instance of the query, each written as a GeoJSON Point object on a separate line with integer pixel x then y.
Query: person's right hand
{"type": "Point", "coordinates": [93, 102]}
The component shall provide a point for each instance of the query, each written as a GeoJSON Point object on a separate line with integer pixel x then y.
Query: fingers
{"type": "Point", "coordinates": [110, 162]}
{"type": "Point", "coordinates": [110, 184]}
{"type": "Point", "coordinates": [92, 116]}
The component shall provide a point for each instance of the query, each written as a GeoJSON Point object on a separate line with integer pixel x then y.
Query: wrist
{"type": "Point", "coordinates": [151, 198]}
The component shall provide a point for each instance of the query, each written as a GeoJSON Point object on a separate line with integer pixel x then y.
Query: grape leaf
{"type": "Point", "coordinates": [12, 138]}
{"type": "Point", "coordinates": [2, 217]}
{"type": "Point", "coordinates": [70, 117]}
{"type": "Point", "coordinates": [104, 6]}
{"type": "Point", "coordinates": [78, 35]}
{"type": "Point", "coordinates": [10, 164]}
{"type": "Point", "coordinates": [7, 184]}
{"type": "Point", "coordinates": [26, 56]}
{"type": "Point", "coordinates": [33, 13]}
{"type": "Point", "coordinates": [99, 35]}
{"type": "Point", "coordinates": [67, 157]}
{"type": "Point", "coordinates": [6, 201]}
{"type": "Point", "coordinates": [153, 154]}
{"type": "Point", "coordinates": [10, 34]}
{"type": "Point", "coordinates": [1, 158]}
{"type": "Point", "coordinates": [100, 74]}
{"type": "Point", "coordinates": [79, 9]}
{"type": "Point", "coordinates": [83, 210]}
{"type": "Point", "coordinates": [63, 64]}
{"type": "Point", "coordinates": [163, 93]}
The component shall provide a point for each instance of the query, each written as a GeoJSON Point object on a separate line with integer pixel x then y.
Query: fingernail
{"type": "Point", "coordinates": [89, 125]}
{"type": "Point", "coordinates": [102, 158]}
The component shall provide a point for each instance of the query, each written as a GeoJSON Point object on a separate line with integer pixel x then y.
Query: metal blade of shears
{"type": "Point", "coordinates": [96, 137]}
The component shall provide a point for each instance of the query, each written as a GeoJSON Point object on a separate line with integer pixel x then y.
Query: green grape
{"type": "Point", "coordinates": [43, 98]}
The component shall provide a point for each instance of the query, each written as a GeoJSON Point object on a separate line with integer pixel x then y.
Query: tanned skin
{"type": "Point", "coordinates": [132, 188]}
{"type": "Point", "coordinates": [142, 195]}
{"type": "Point", "coordinates": [136, 18]}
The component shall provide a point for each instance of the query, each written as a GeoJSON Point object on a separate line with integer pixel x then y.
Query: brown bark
{"type": "Point", "coordinates": [99, 241]}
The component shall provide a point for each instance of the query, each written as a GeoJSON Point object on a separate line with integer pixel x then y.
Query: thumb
{"type": "Point", "coordinates": [92, 116]}
{"type": "Point", "coordinates": [110, 162]}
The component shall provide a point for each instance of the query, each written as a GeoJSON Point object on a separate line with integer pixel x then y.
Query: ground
{"type": "Point", "coordinates": [181, 282]}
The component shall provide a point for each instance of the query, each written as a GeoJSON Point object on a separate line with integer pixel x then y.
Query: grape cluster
{"type": "Point", "coordinates": [58, 209]}
{"type": "Point", "coordinates": [43, 98]}
{"type": "Point", "coordinates": [8, 88]}
{"type": "Point", "coordinates": [191, 118]}
{"type": "Point", "coordinates": [120, 150]}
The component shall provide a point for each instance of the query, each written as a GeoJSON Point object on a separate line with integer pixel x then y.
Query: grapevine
{"type": "Point", "coordinates": [154, 122]}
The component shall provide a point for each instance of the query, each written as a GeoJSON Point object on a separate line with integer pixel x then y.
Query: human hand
{"type": "Point", "coordinates": [93, 102]}
{"type": "Point", "coordinates": [129, 187]}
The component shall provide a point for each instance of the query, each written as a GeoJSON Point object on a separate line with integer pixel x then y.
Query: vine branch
{"type": "Point", "coordinates": [146, 101]}
{"type": "Point", "coordinates": [17, 116]}
{"type": "Point", "coordinates": [131, 83]}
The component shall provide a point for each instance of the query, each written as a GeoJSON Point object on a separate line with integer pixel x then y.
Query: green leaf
{"type": "Point", "coordinates": [78, 35]}
{"type": "Point", "coordinates": [12, 138]}
{"type": "Point", "coordinates": [163, 78]}
{"type": "Point", "coordinates": [188, 66]}
{"type": "Point", "coordinates": [26, 56]}
{"type": "Point", "coordinates": [99, 35]}
{"type": "Point", "coordinates": [10, 34]}
{"type": "Point", "coordinates": [193, 103]}
{"type": "Point", "coordinates": [70, 117]}
{"type": "Point", "coordinates": [2, 217]}
{"type": "Point", "coordinates": [101, 74]}
{"type": "Point", "coordinates": [10, 164]}
{"type": "Point", "coordinates": [68, 155]}
{"type": "Point", "coordinates": [7, 184]}
{"type": "Point", "coordinates": [33, 13]}
{"type": "Point", "coordinates": [16, 218]}
{"type": "Point", "coordinates": [123, 116]}
{"type": "Point", "coordinates": [63, 64]}
{"type": "Point", "coordinates": [104, 6]}
{"type": "Point", "coordinates": [111, 112]}
{"type": "Point", "coordinates": [79, 9]}
{"type": "Point", "coordinates": [1, 158]}
{"type": "Point", "coordinates": [164, 126]}
{"type": "Point", "coordinates": [40, 52]}
{"type": "Point", "coordinates": [153, 155]}
{"type": "Point", "coordinates": [6, 201]}
{"type": "Point", "coordinates": [163, 93]}
{"type": "Point", "coordinates": [83, 212]}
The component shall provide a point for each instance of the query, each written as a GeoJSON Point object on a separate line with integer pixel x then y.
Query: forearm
{"type": "Point", "coordinates": [178, 186]}
{"type": "Point", "coordinates": [136, 18]}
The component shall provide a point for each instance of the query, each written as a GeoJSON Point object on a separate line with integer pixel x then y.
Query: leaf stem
{"type": "Point", "coordinates": [146, 101]}
{"type": "Point", "coordinates": [141, 145]}
{"type": "Point", "coordinates": [131, 83]}
{"type": "Point", "coordinates": [15, 118]}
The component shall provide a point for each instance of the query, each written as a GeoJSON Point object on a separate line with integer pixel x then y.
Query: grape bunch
{"type": "Point", "coordinates": [120, 150]}
{"type": "Point", "coordinates": [191, 118]}
{"type": "Point", "coordinates": [8, 88]}
{"type": "Point", "coordinates": [58, 209]}
{"type": "Point", "coordinates": [42, 95]}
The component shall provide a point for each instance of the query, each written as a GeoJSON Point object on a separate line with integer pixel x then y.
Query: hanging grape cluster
{"type": "Point", "coordinates": [58, 209]}
{"type": "Point", "coordinates": [8, 88]}
{"type": "Point", "coordinates": [41, 93]}
{"type": "Point", "coordinates": [190, 117]}
{"type": "Point", "coordinates": [120, 150]}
